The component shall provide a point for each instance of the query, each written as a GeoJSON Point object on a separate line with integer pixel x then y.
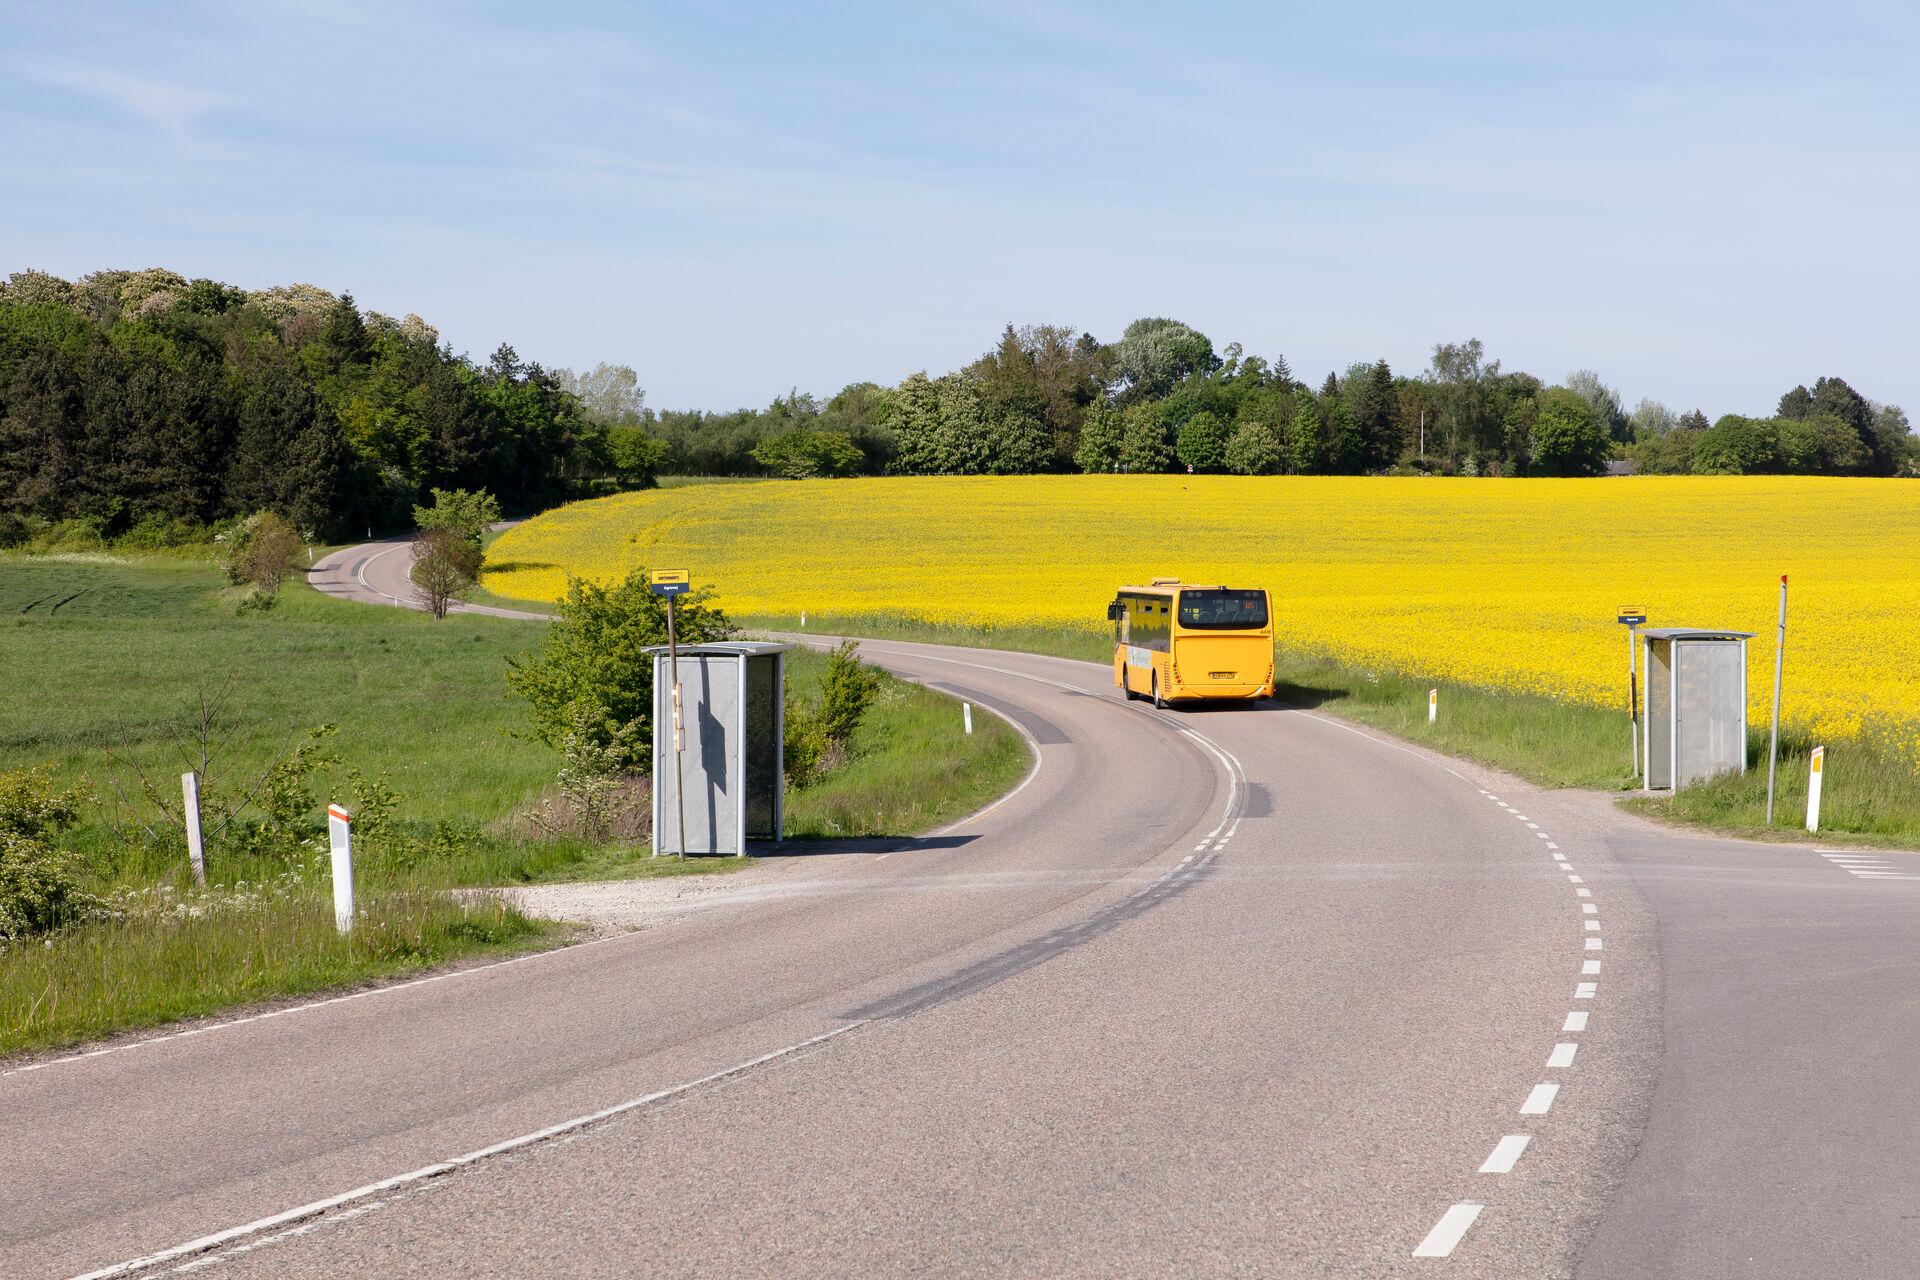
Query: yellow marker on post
{"type": "Point", "coordinates": [674, 583]}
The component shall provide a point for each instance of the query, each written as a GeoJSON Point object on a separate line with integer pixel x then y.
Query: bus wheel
{"type": "Point", "coordinates": [1159, 703]}
{"type": "Point", "coordinates": [1126, 684]}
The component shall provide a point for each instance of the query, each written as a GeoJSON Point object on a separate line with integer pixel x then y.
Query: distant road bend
{"type": "Point", "coordinates": [1225, 992]}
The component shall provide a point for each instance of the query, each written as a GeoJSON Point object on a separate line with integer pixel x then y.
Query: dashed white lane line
{"type": "Point", "coordinates": [1539, 835]}
{"type": "Point", "coordinates": [1583, 893]}
{"type": "Point", "coordinates": [1540, 1101]}
{"type": "Point", "coordinates": [1447, 1232]}
{"type": "Point", "coordinates": [1594, 944]}
{"type": "Point", "coordinates": [1588, 907]}
{"type": "Point", "coordinates": [1593, 926]}
{"type": "Point", "coordinates": [1575, 1022]}
{"type": "Point", "coordinates": [1590, 966]}
{"type": "Point", "coordinates": [1506, 1153]}
{"type": "Point", "coordinates": [1575, 880]}
{"type": "Point", "coordinates": [1562, 1055]}
{"type": "Point", "coordinates": [1585, 990]}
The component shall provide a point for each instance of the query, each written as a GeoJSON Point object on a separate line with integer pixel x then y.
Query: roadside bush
{"type": "Point", "coordinates": [819, 739]}
{"type": "Point", "coordinates": [802, 454]}
{"type": "Point", "coordinates": [39, 884]}
{"type": "Point", "coordinates": [465, 512]}
{"type": "Point", "coordinates": [593, 671]}
{"type": "Point", "coordinates": [264, 550]}
{"type": "Point", "coordinates": [446, 564]}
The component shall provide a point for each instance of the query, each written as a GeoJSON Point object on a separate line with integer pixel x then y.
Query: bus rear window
{"type": "Point", "coordinates": [1224, 610]}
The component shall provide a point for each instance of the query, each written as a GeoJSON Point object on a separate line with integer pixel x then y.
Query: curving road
{"type": "Point", "coordinates": [1231, 992]}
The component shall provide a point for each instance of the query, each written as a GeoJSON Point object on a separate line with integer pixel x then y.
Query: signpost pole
{"type": "Point", "coordinates": [1633, 697]}
{"type": "Point", "coordinates": [1779, 660]}
{"type": "Point", "coordinates": [672, 583]}
{"type": "Point", "coordinates": [1630, 617]}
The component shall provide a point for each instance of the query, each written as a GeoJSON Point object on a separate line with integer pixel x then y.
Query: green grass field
{"type": "Point", "coordinates": [110, 660]}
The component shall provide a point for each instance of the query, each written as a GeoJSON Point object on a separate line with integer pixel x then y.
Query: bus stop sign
{"type": "Point", "coordinates": [1631, 616]}
{"type": "Point", "coordinates": [669, 582]}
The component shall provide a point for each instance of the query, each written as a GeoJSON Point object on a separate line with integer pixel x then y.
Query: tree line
{"type": "Point", "coordinates": [143, 405]}
{"type": "Point", "coordinates": [1161, 398]}
{"type": "Point", "coordinates": [141, 401]}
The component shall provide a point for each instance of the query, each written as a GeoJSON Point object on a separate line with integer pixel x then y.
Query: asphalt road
{"type": "Point", "coordinates": [1225, 992]}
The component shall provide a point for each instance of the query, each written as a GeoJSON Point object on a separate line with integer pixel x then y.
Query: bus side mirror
{"type": "Point", "coordinates": [1113, 611]}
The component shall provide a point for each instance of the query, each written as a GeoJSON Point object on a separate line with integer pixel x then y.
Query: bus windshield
{"type": "Point", "coordinates": [1223, 609]}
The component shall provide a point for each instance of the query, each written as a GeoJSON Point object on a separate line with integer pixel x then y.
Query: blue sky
{"type": "Point", "coordinates": [1706, 206]}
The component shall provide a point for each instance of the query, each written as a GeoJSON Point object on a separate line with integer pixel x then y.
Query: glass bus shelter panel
{"type": "Point", "coordinates": [1711, 725]}
{"type": "Point", "coordinates": [710, 716]}
{"type": "Point", "coordinates": [1659, 695]}
{"type": "Point", "coordinates": [763, 746]}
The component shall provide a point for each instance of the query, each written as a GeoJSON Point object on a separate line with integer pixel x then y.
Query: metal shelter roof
{"type": "Point", "coordinates": [726, 649]}
{"type": "Point", "coordinates": [1693, 633]}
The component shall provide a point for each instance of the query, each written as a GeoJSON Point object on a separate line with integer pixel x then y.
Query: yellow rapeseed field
{"type": "Point", "coordinates": [1499, 583]}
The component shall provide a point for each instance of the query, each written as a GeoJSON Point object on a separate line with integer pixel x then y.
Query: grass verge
{"type": "Point", "coordinates": [160, 965]}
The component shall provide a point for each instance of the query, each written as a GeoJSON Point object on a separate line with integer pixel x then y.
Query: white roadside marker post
{"type": "Point", "coordinates": [1433, 705]}
{"type": "Point", "coordinates": [190, 805]}
{"type": "Point", "coordinates": [1773, 737]}
{"type": "Point", "coordinates": [803, 619]}
{"type": "Point", "coordinates": [1815, 768]}
{"type": "Point", "coordinates": [340, 838]}
{"type": "Point", "coordinates": [966, 715]}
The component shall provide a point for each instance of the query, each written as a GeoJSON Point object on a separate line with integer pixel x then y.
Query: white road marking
{"type": "Point", "coordinates": [1593, 944]}
{"type": "Point", "coordinates": [1552, 845]}
{"type": "Point", "coordinates": [1539, 835]}
{"type": "Point", "coordinates": [1590, 966]}
{"type": "Point", "coordinates": [1593, 926]}
{"type": "Point", "coordinates": [1446, 1233]}
{"type": "Point", "coordinates": [1506, 1153]}
{"type": "Point", "coordinates": [1575, 1022]}
{"type": "Point", "coordinates": [1589, 908]}
{"type": "Point", "coordinates": [1536, 827]}
{"type": "Point", "coordinates": [1523, 818]}
{"type": "Point", "coordinates": [1562, 1055]}
{"type": "Point", "coordinates": [1575, 880]}
{"type": "Point", "coordinates": [1585, 990]}
{"type": "Point", "coordinates": [317, 1207]}
{"type": "Point", "coordinates": [1559, 857]}
{"type": "Point", "coordinates": [1583, 893]}
{"type": "Point", "coordinates": [1540, 1100]}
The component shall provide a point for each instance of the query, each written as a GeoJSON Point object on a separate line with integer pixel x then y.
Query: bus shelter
{"type": "Point", "coordinates": [1696, 705]}
{"type": "Point", "coordinates": [727, 785]}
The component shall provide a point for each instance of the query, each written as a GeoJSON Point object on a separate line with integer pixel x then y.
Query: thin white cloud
{"type": "Point", "coordinates": [167, 105]}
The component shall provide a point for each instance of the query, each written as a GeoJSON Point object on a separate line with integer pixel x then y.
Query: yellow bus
{"type": "Point", "coordinates": [1174, 639]}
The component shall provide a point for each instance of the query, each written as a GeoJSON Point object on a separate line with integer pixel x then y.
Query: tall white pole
{"type": "Point", "coordinates": [1779, 660]}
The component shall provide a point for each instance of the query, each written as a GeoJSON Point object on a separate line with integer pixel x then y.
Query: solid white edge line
{"type": "Point", "coordinates": [1540, 1101]}
{"type": "Point", "coordinates": [1446, 1233]}
{"type": "Point", "coordinates": [1506, 1153]}
{"type": "Point", "coordinates": [317, 1207]}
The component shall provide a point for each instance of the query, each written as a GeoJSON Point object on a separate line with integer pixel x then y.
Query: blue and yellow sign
{"type": "Point", "coordinates": [669, 582]}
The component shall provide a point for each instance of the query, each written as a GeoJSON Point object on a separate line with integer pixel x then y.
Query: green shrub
{"type": "Point", "coordinates": [593, 668]}
{"type": "Point", "coordinates": [819, 739]}
{"type": "Point", "coordinates": [39, 884]}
